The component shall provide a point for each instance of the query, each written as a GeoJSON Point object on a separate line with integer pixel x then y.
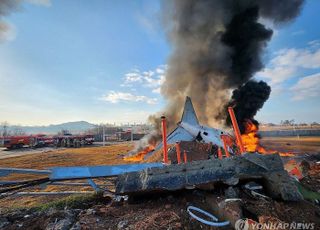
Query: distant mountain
{"type": "Point", "coordinates": [73, 127]}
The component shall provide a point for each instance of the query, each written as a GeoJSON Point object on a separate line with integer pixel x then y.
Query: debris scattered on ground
{"type": "Point", "coordinates": [168, 210]}
{"type": "Point", "coordinates": [160, 211]}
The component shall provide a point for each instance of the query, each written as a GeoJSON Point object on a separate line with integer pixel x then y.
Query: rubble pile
{"type": "Point", "coordinates": [166, 211]}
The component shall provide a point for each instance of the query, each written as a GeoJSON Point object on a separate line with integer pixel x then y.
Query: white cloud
{"type": "Point", "coordinates": [136, 80]}
{"type": "Point", "coordinates": [133, 77]}
{"type": "Point", "coordinates": [46, 3]}
{"type": "Point", "coordinates": [288, 62]}
{"type": "Point", "coordinates": [161, 69]}
{"type": "Point", "coordinates": [291, 63]}
{"type": "Point", "coordinates": [149, 79]}
{"type": "Point", "coordinates": [304, 58]}
{"type": "Point", "coordinates": [307, 87]}
{"type": "Point", "coordinates": [278, 74]}
{"type": "Point", "coordinates": [314, 43]}
{"type": "Point", "coordinates": [116, 97]}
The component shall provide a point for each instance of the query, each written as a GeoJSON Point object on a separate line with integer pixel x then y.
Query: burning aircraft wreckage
{"type": "Point", "coordinates": [193, 157]}
{"type": "Point", "coordinates": [217, 49]}
{"type": "Point", "coordinates": [223, 160]}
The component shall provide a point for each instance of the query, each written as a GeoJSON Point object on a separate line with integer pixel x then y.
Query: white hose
{"type": "Point", "coordinates": [212, 217]}
{"type": "Point", "coordinates": [232, 200]}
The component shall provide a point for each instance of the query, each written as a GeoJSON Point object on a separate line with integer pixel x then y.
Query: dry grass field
{"type": "Point", "coordinates": [113, 154]}
{"type": "Point", "coordinates": [109, 155]}
{"type": "Point", "coordinates": [104, 155]}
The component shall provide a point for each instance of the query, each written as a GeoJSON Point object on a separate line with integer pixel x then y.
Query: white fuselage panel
{"type": "Point", "coordinates": [207, 134]}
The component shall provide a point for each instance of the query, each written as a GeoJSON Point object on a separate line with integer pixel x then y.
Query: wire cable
{"type": "Point", "coordinates": [212, 217]}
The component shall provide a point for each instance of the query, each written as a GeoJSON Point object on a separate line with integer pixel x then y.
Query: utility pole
{"type": "Point", "coordinates": [103, 135]}
{"type": "Point", "coordinates": [4, 131]}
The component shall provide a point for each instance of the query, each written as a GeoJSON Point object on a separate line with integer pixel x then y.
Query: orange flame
{"type": "Point", "coordinates": [140, 155]}
{"type": "Point", "coordinates": [251, 140]}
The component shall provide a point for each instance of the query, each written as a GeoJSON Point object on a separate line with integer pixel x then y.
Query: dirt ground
{"type": "Point", "coordinates": [299, 145]}
{"type": "Point", "coordinates": [160, 212]}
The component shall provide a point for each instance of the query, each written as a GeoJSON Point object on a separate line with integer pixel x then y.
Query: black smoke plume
{"type": "Point", "coordinates": [216, 48]}
{"type": "Point", "coordinates": [247, 100]}
{"type": "Point", "coordinates": [247, 38]}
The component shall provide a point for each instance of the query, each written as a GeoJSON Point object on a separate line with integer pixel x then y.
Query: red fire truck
{"type": "Point", "coordinates": [14, 142]}
{"type": "Point", "coordinates": [41, 140]}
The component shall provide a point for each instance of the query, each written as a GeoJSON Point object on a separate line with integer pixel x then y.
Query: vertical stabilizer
{"type": "Point", "coordinates": [189, 115]}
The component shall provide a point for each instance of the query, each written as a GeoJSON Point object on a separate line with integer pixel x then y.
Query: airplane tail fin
{"type": "Point", "coordinates": [189, 115]}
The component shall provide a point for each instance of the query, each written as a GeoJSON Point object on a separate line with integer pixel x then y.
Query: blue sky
{"type": "Point", "coordinates": [104, 61]}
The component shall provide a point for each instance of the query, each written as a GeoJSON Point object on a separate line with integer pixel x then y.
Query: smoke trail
{"type": "Point", "coordinates": [247, 100]}
{"type": "Point", "coordinates": [216, 48]}
{"type": "Point", "coordinates": [6, 7]}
